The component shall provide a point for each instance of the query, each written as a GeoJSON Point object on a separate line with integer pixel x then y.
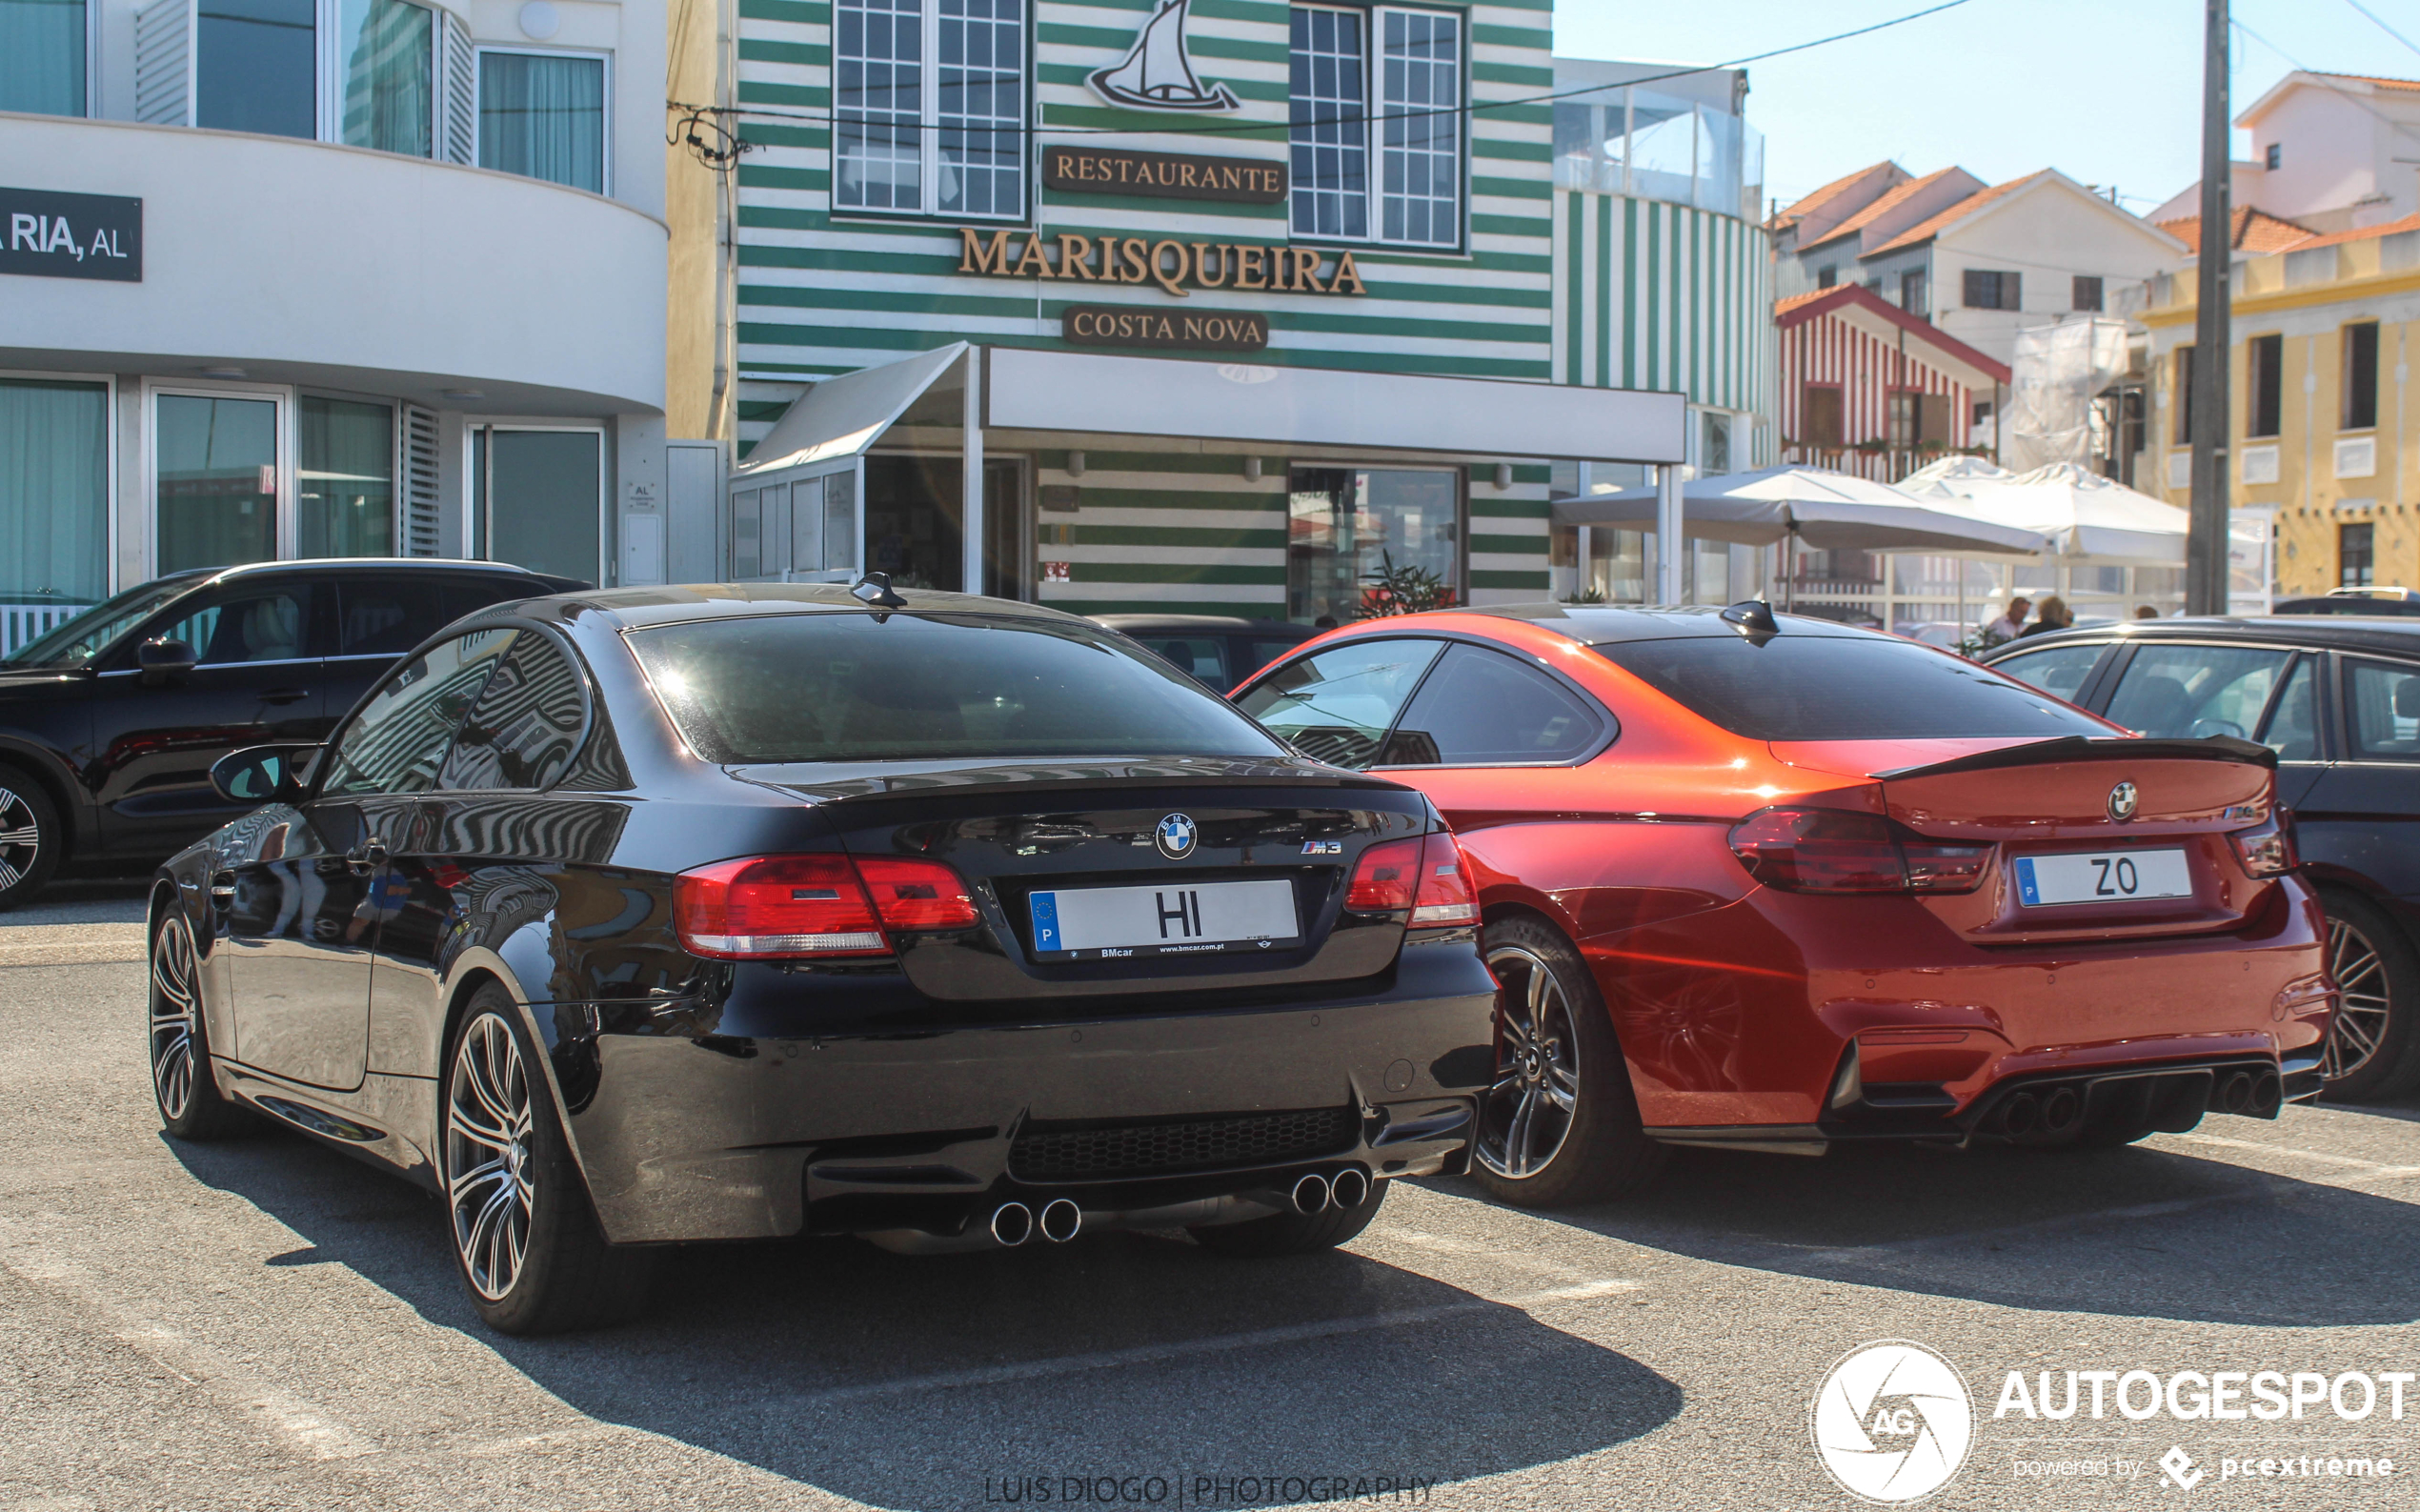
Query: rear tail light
{"type": "Point", "coordinates": [2267, 848]}
{"type": "Point", "coordinates": [1839, 851]}
{"type": "Point", "coordinates": [791, 907]}
{"type": "Point", "coordinates": [1424, 874]}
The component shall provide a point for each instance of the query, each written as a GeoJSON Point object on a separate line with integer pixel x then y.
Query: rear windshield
{"type": "Point", "coordinates": [850, 687]}
{"type": "Point", "coordinates": [1841, 687]}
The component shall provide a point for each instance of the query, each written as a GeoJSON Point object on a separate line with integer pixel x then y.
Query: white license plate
{"type": "Point", "coordinates": [2116, 876]}
{"type": "Point", "coordinates": [1171, 919]}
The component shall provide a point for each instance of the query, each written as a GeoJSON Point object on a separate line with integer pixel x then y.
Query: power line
{"type": "Point", "coordinates": [973, 129]}
{"type": "Point", "coordinates": [2321, 78]}
{"type": "Point", "coordinates": [2382, 25]}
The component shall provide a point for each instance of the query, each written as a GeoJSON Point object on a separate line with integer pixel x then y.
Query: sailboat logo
{"type": "Point", "coordinates": [1156, 76]}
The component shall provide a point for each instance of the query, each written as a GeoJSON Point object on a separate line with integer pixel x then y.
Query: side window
{"type": "Point", "coordinates": [526, 727]}
{"type": "Point", "coordinates": [1251, 655]}
{"type": "Point", "coordinates": [241, 625]}
{"type": "Point", "coordinates": [2058, 671]}
{"type": "Point", "coordinates": [1338, 705]}
{"type": "Point", "coordinates": [2383, 719]}
{"type": "Point", "coordinates": [1205, 657]}
{"type": "Point", "coordinates": [400, 737]}
{"type": "Point", "coordinates": [387, 616]}
{"type": "Point", "coordinates": [1482, 708]}
{"type": "Point", "coordinates": [2194, 691]}
{"type": "Point", "coordinates": [2293, 725]}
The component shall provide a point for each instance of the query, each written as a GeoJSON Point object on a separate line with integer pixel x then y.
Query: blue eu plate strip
{"type": "Point", "coordinates": [1045, 907]}
{"type": "Point", "coordinates": [2025, 887]}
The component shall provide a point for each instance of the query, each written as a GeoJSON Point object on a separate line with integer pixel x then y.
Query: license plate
{"type": "Point", "coordinates": [2116, 878]}
{"type": "Point", "coordinates": [1174, 920]}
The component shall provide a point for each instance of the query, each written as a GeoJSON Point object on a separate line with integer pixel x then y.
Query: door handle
{"type": "Point", "coordinates": [222, 889]}
{"type": "Point", "coordinates": [285, 695]}
{"type": "Point", "coordinates": [367, 857]}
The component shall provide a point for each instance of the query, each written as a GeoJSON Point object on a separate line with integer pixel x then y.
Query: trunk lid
{"type": "Point", "coordinates": [1135, 914]}
{"type": "Point", "coordinates": [2091, 839]}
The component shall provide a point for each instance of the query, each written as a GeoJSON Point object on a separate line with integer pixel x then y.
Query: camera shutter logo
{"type": "Point", "coordinates": [1175, 837]}
{"type": "Point", "coordinates": [1892, 1422]}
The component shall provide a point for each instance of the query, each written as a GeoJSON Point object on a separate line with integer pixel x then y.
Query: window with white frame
{"type": "Point", "coordinates": [1383, 83]}
{"type": "Point", "coordinates": [928, 108]}
{"type": "Point", "coordinates": [45, 49]}
{"type": "Point", "coordinates": [363, 73]}
{"type": "Point", "coordinates": [542, 115]}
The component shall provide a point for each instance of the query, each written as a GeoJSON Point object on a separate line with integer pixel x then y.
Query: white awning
{"type": "Point", "coordinates": [1252, 402]}
{"type": "Point", "coordinates": [1825, 510]}
{"type": "Point", "coordinates": [840, 417]}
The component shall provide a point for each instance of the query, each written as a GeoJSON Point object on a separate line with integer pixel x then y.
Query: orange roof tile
{"type": "Point", "coordinates": [1783, 306]}
{"type": "Point", "coordinates": [2256, 231]}
{"type": "Point", "coordinates": [1890, 200]}
{"type": "Point", "coordinates": [1806, 205]}
{"type": "Point", "coordinates": [1927, 230]}
{"type": "Point", "coordinates": [2373, 78]}
{"type": "Point", "coordinates": [2358, 233]}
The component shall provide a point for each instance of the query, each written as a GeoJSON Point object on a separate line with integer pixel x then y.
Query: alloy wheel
{"type": "Point", "coordinates": [1529, 1106]}
{"type": "Point", "coordinates": [20, 839]}
{"type": "Point", "coordinates": [490, 1160]}
{"type": "Point", "coordinates": [2363, 1005]}
{"type": "Point", "coordinates": [175, 1010]}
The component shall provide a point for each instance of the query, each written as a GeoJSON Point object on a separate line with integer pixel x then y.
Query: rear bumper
{"type": "Point", "coordinates": [688, 1133]}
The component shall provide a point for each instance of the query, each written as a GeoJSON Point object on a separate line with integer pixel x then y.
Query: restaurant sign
{"type": "Point", "coordinates": [49, 234]}
{"type": "Point", "coordinates": [1177, 267]}
{"type": "Point", "coordinates": [1167, 175]}
{"type": "Point", "coordinates": [1169, 330]}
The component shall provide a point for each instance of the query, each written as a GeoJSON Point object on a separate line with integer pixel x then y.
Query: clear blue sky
{"type": "Point", "coordinates": [2108, 91]}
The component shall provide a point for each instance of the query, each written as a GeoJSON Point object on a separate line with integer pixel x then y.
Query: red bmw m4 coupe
{"type": "Point", "coordinates": [1762, 881]}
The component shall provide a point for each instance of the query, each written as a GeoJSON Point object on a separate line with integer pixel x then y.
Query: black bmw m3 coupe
{"type": "Point", "coordinates": [634, 917]}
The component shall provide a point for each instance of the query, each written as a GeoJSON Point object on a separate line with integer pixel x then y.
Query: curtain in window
{"type": "Point", "coordinates": [53, 492]}
{"type": "Point", "coordinates": [42, 56]}
{"type": "Point", "coordinates": [542, 510]}
{"type": "Point", "coordinates": [544, 117]}
{"type": "Point", "coordinates": [344, 498]}
{"type": "Point", "coordinates": [255, 65]}
{"type": "Point", "coordinates": [217, 476]}
{"type": "Point", "coordinates": [390, 74]}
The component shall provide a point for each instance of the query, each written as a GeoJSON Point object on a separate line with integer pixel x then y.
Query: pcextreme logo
{"type": "Point", "coordinates": [1892, 1422]}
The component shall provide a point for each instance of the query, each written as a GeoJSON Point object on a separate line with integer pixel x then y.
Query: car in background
{"type": "Point", "coordinates": [2338, 699]}
{"type": "Point", "coordinates": [1217, 651]}
{"type": "Point", "coordinates": [109, 722]}
{"type": "Point", "coordinates": [2371, 601]}
{"type": "Point", "coordinates": [701, 914]}
{"type": "Point", "coordinates": [1767, 881]}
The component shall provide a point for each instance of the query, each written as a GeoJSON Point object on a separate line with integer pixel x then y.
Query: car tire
{"type": "Point", "coordinates": [1292, 1233]}
{"type": "Point", "coordinates": [526, 1240]}
{"type": "Point", "coordinates": [183, 1087]}
{"type": "Point", "coordinates": [1580, 1139]}
{"type": "Point", "coordinates": [32, 837]}
{"type": "Point", "coordinates": [2371, 1051]}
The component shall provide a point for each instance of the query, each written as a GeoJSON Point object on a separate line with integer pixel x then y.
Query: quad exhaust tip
{"type": "Point", "coordinates": [1062, 1220]}
{"type": "Point", "coordinates": [2061, 1111]}
{"type": "Point", "coordinates": [2236, 1095]}
{"type": "Point", "coordinates": [1012, 1223]}
{"type": "Point", "coordinates": [2268, 1095]}
{"type": "Point", "coordinates": [1312, 1194]}
{"type": "Point", "coordinates": [2023, 1115]}
{"type": "Point", "coordinates": [1349, 1187]}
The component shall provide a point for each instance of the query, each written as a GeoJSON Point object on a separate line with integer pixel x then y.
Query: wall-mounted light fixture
{"type": "Point", "coordinates": [1252, 468]}
{"type": "Point", "coordinates": [1075, 464]}
{"type": "Point", "coordinates": [1504, 474]}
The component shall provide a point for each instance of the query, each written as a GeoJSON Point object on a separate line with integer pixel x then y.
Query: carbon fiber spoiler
{"type": "Point", "coordinates": [2081, 748]}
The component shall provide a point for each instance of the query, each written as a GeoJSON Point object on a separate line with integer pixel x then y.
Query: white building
{"type": "Point", "coordinates": [293, 279]}
{"type": "Point", "coordinates": [2330, 152]}
{"type": "Point", "coordinates": [1981, 262]}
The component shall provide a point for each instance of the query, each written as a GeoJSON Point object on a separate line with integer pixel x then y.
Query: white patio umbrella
{"type": "Point", "coordinates": [1820, 509]}
{"type": "Point", "coordinates": [2084, 516]}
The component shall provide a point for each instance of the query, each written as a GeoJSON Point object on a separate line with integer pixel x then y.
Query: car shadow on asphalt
{"type": "Point", "coordinates": [953, 1380]}
{"type": "Point", "coordinates": [2137, 1232]}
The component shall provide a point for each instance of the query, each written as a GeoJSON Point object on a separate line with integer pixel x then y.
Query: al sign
{"type": "Point", "coordinates": [45, 234]}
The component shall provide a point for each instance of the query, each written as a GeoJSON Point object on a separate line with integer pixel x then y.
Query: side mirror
{"type": "Point", "coordinates": [163, 660]}
{"type": "Point", "coordinates": [261, 774]}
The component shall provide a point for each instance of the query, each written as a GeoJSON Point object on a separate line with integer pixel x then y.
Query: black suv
{"type": "Point", "coordinates": [2338, 698]}
{"type": "Point", "coordinates": [108, 724]}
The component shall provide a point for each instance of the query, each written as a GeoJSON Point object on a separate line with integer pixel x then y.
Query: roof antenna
{"type": "Point", "coordinates": [1753, 618]}
{"type": "Point", "coordinates": [875, 588]}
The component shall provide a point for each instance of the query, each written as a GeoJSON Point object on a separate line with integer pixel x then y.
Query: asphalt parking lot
{"type": "Point", "coordinates": [265, 1324]}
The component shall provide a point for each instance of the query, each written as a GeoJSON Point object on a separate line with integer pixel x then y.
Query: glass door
{"type": "Point", "coordinates": [344, 479]}
{"type": "Point", "coordinates": [538, 499]}
{"type": "Point", "coordinates": [915, 524]}
{"type": "Point", "coordinates": [215, 479]}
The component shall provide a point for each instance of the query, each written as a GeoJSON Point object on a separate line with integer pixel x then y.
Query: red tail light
{"type": "Point", "coordinates": [1839, 851]}
{"type": "Point", "coordinates": [790, 907]}
{"type": "Point", "coordinates": [1424, 875]}
{"type": "Point", "coordinates": [2268, 849]}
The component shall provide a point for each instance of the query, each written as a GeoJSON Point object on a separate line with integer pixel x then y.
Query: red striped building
{"type": "Point", "coordinates": [1867, 387]}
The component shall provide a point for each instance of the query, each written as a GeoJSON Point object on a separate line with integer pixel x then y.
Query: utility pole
{"type": "Point", "coordinates": [2205, 535]}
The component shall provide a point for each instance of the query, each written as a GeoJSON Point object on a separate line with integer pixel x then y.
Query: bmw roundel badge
{"type": "Point", "coordinates": [1175, 837]}
{"type": "Point", "coordinates": [2123, 799]}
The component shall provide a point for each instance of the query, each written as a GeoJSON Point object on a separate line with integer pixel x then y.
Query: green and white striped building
{"type": "Point", "coordinates": [955, 192]}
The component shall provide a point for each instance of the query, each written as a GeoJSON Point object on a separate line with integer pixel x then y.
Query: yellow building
{"type": "Point", "coordinates": [2319, 432]}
